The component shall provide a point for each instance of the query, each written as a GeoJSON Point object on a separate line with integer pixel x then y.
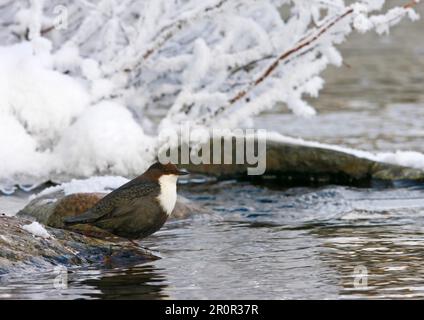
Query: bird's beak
{"type": "Point", "coordinates": [182, 172]}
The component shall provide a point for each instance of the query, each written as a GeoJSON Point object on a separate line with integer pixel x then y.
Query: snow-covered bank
{"type": "Point", "coordinates": [48, 125]}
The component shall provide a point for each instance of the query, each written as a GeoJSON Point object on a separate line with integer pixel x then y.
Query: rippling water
{"type": "Point", "coordinates": [265, 242]}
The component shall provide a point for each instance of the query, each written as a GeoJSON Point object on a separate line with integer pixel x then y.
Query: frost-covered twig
{"type": "Point", "coordinates": [393, 16]}
{"type": "Point", "coordinates": [303, 44]}
{"type": "Point", "coordinates": [164, 35]}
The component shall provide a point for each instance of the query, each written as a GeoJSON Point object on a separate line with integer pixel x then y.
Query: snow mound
{"type": "Point", "coordinates": [49, 123]}
{"type": "Point", "coordinates": [105, 138]}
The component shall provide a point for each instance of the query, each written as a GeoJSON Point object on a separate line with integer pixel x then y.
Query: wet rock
{"type": "Point", "coordinates": [295, 164]}
{"type": "Point", "coordinates": [22, 251]}
{"type": "Point", "coordinates": [51, 209]}
{"type": "Point", "coordinates": [78, 245]}
{"type": "Point", "coordinates": [184, 208]}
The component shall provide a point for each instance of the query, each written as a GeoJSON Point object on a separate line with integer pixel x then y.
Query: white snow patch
{"type": "Point", "coordinates": [37, 230]}
{"type": "Point", "coordinates": [44, 101]}
{"type": "Point", "coordinates": [36, 103]}
{"type": "Point", "coordinates": [18, 150]}
{"type": "Point", "coordinates": [47, 124]}
{"type": "Point", "coordinates": [105, 138]}
{"type": "Point", "coordinates": [4, 238]}
{"type": "Point", "coordinates": [410, 159]}
{"type": "Point", "coordinates": [94, 184]}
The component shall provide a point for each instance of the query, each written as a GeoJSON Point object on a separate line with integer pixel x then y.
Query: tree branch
{"type": "Point", "coordinates": [304, 43]}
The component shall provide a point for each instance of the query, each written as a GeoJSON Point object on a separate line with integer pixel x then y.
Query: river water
{"type": "Point", "coordinates": [266, 242]}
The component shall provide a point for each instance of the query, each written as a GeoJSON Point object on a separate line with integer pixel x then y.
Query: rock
{"type": "Point", "coordinates": [184, 208]}
{"type": "Point", "coordinates": [295, 164]}
{"type": "Point", "coordinates": [77, 246]}
{"type": "Point", "coordinates": [52, 208]}
{"type": "Point", "coordinates": [22, 251]}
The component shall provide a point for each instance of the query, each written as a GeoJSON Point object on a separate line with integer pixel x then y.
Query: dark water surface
{"type": "Point", "coordinates": [267, 243]}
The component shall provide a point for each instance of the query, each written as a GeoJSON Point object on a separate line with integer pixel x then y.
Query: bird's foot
{"type": "Point", "coordinates": [107, 259]}
{"type": "Point", "coordinates": [137, 245]}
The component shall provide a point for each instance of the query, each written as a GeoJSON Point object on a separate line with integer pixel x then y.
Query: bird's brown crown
{"type": "Point", "coordinates": [158, 169]}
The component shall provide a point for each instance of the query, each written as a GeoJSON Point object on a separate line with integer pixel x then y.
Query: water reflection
{"type": "Point", "coordinates": [393, 257]}
{"type": "Point", "coordinates": [140, 282]}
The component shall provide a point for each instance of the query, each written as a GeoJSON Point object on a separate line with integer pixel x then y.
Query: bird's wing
{"type": "Point", "coordinates": [115, 201]}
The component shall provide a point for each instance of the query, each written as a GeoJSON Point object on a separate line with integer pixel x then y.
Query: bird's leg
{"type": "Point", "coordinates": [107, 257]}
{"type": "Point", "coordinates": [137, 245]}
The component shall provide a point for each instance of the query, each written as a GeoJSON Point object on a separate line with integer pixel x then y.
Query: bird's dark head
{"type": "Point", "coordinates": [158, 169]}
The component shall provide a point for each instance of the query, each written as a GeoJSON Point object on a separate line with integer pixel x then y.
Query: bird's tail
{"type": "Point", "coordinates": [80, 219]}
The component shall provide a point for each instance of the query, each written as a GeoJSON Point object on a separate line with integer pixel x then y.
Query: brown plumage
{"type": "Point", "coordinates": [134, 210]}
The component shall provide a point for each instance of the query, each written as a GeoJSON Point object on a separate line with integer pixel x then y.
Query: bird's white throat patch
{"type": "Point", "coordinates": [168, 192]}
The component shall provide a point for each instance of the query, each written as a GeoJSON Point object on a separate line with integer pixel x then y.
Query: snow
{"type": "Point", "coordinates": [93, 98]}
{"type": "Point", "coordinates": [47, 124]}
{"type": "Point", "coordinates": [44, 101]}
{"type": "Point", "coordinates": [403, 158]}
{"type": "Point", "coordinates": [36, 103]}
{"type": "Point", "coordinates": [410, 159]}
{"type": "Point", "coordinates": [104, 139]}
{"type": "Point", "coordinates": [16, 148]}
{"type": "Point", "coordinates": [94, 184]}
{"type": "Point", "coordinates": [37, 230]}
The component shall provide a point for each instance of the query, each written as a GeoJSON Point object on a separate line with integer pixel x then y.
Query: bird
{"type": "Point", "coordinates": [138, 208]}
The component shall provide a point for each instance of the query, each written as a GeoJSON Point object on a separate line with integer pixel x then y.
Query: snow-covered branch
{"type": "Point", "coordinates": [69, 72]}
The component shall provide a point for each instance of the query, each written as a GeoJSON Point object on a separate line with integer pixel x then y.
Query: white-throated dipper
{"type": "Point", "coordinates": [138, 208]}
